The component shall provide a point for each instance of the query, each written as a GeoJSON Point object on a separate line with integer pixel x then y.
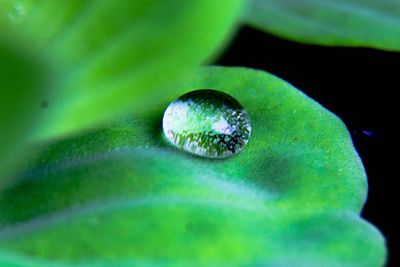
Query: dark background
{"type": "Point", "coordinates": [357, 84]}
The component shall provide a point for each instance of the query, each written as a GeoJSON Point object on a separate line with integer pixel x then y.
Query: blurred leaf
{"type": "Point", "coordinates": [120, 196]}
{"type": "Point", "coordinates": [23, 88]}
{"type": "Point", "coordinates": [116, 56]}
{"type": "Point", "coordinates": [359, 23]}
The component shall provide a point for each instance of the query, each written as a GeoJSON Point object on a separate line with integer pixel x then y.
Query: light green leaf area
{"type": "Point", "coordinates": [358, 23]}
{"type": "Point", "coordinates": [115, 56]}
{"type": "Point", "coordinates": [121, 196]}
{"type": "Point", "coordinates": [22, 88]}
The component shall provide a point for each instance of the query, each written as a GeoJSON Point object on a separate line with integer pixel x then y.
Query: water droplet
{"type": "Point", "coordinates": [207, 123]}
{"type": "Point", "coordinates": [17, 13]}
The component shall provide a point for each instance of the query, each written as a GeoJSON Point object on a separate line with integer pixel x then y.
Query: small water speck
{"type": "Point", "coordinates": [17, 13]}
{"type": "Point", "coordinates": [44, 104]}
{"type": "Point", "coordinates": [369, 133]}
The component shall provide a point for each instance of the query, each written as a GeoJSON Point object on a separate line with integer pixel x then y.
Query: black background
{"type": "Point", "coordinates": [360, 86]}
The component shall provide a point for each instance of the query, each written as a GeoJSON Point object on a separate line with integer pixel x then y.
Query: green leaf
{"type": "Point", "coordinates": [23, 88]}
{"type": "Point", "coordinates": [359, 23]}
{"type": "Point", "coordinates": [112, 57]}
{"type": "Point", "coordinates": [121, 196]}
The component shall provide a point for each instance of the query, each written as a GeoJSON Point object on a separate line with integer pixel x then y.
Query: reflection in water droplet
{"type": "Point", "coordinates": [207, 123]}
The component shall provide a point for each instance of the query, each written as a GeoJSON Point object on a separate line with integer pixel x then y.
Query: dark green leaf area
{"type": "Point", "coordinates": [24, 90]}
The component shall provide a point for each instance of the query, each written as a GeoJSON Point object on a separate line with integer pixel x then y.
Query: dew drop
{"type": "Point", "coordinates": [207, 123]}
{"type": "Point", "coordinates": [17, 13]}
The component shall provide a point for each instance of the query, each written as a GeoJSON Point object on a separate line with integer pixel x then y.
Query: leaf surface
{"type": "Point", "coordinates": [121, 196]}
{"type": "Point", "coordinates": [358, 23]}
{"type": "Point", "coordinates": [112, 57]}
{"type": "Point", "coordinates": [22, 90]}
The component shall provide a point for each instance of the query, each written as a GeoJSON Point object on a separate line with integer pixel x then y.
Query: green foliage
{"type": "Point", "coordinates": [365, 23]}
{"type": "Point", "coordinates": [112, 57]}
{"type": "Point", "coordinates": [120, 196]}
{"type": "Point", "coordinates": [23, 87]}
